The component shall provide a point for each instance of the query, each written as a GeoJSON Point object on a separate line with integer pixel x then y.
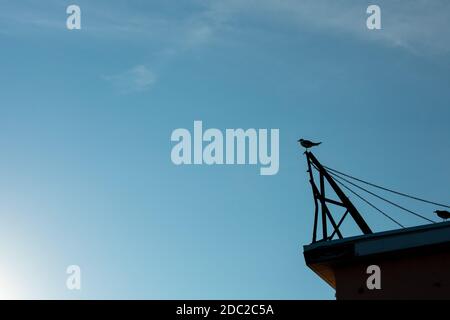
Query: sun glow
{"type": "Point", "coordinates": [8, 289]}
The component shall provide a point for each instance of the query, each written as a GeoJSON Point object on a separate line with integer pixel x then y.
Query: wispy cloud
{"type": "Point", "coordinates": [419, 26]}
{"type": "Point", "coordinates": [137, 79]}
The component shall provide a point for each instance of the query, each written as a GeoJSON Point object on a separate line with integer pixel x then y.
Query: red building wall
{"type": "Point", "coordinates": [408, 276]}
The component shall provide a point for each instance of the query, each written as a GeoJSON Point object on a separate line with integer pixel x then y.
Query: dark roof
{"type": "Point", "coordinates": [322, 256]}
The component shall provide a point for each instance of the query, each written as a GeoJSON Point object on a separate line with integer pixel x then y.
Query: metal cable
{"type": "Point", "coordinates": [369, 203]}
{"type": "Point", "coordinates": [384, 199]}
{"type": "Point", "coordinates": [386, 189]}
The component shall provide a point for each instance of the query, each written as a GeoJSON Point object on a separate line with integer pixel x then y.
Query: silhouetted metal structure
{"type": "Point", "coordinates": [321, 201]}
{"type": "Point", "coordinates": [413, 262]}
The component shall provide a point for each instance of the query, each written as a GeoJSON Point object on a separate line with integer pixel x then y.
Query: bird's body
{"type": "Point", "coordinates": [308, 144]}
{"type": "Point", "coordinates": [443, 214]}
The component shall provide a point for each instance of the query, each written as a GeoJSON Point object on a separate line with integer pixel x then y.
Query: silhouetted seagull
{"type": "Point", "coordinates": [308, 144]}
{"type": "Point", "coordinates": [443, 214]}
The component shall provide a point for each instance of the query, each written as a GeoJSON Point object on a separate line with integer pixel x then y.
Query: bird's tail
{"type": "Point", "coordinates": [318, 143]}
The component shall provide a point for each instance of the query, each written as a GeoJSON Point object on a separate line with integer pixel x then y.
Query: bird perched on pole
{"type": "Point", "coordinates": [308, 144]}
{"type": "Point", "coordinates": [443, 214]}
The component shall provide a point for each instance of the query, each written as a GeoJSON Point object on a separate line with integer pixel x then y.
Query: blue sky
{"type": "Point", "coordinates": [86, 118]}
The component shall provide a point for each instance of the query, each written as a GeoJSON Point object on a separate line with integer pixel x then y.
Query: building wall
{"type": "Point", "coordinates": [407, 276]}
